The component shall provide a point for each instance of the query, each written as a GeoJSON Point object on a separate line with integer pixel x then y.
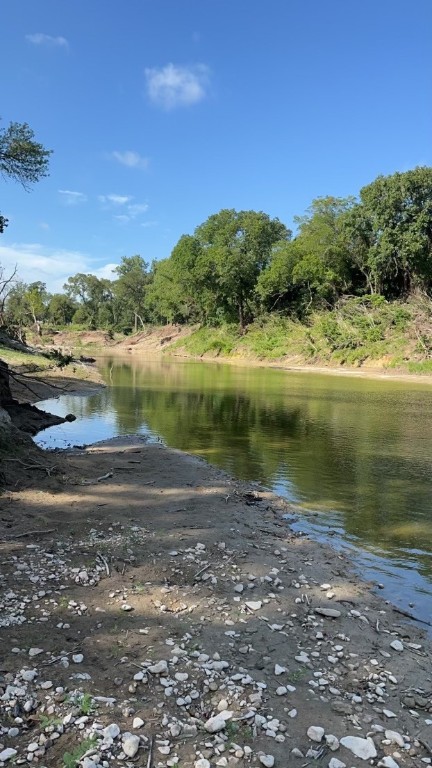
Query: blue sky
{"type": "Point", "coordinates": [162, 112]}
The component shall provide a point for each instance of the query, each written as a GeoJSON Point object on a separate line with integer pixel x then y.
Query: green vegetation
{"type": "Point", "coordinates": [353, 283]}
{"type": "Point", "coordinates": [72, 759]}
{"type": "Point", "coordinates": [357, 329]}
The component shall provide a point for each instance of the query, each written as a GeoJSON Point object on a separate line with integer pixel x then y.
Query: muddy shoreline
{"type": "Point", "coordinates": [145, 589]}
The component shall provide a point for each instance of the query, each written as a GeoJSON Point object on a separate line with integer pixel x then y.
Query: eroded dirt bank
{"type": "Point", "coordinates": [154, 612]}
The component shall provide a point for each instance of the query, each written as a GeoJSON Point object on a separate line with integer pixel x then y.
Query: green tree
{"type": "Point", "coordinates": [130, 291]}
{"type": "Point", "coordinates": [21, 158]}
{"type": "Point", "coordinates": [35, 302]}
{"type": "Point", "coordinates": [95, 300]}
{"type": "Point", "coordinates": [61, 309]}
{"type": "Point", "coordinates": [394, 221]}
{"type": "Point", "coordinates": [236, 246]}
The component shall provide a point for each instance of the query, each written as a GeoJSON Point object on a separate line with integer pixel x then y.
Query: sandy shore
{"type": "Point", "coordinates": [154, 611]}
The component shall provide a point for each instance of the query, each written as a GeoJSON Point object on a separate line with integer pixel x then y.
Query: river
{"type": "Point", "coordinates": [352, 455]}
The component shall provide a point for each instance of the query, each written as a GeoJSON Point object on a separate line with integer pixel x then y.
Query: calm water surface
{"type": "Point", "coordinates": [353, 455]}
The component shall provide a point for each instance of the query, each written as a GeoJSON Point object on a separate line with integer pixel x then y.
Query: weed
{"type": "Point", "coordinates": [86, 704]}
{"type": "Point", "coordinates": [72, 759]}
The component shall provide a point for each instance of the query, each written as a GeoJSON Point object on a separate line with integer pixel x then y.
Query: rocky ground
{"type": "Point", "coordinates": [155, 612]}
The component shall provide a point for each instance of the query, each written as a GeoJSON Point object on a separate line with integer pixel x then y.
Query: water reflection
{"type": "Point", "coordinates": [357, 450]}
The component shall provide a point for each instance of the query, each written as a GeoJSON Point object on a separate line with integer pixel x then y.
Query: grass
{"type": "Point", "coordinates": [358, 330]}
{"type": "Point", "coordinates": [14, 358]}
{"type": "Point", "coordinates": [72, 759]}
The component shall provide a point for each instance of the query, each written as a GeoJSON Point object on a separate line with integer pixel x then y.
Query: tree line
{"type": "Point", "coordinates": [239, 265]}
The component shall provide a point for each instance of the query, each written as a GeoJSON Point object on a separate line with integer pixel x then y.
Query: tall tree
{"type": "Point", "coordinates": [236, 246]}
{"type": "Point", "coordinates": [395, 221]}
{"type": "Point", "coordinates": [22, 159]}
{"type": "Point", "coordinates": [130, 291]}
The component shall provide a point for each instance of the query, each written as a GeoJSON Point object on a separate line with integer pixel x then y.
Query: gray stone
{"type": "Point", "coordinates": [362, 748]}
{"type": "Point", "coordinates": [130, 744]}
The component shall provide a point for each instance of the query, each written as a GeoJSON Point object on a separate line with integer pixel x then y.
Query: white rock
{"type": "Point", "coordinates": [362, 748]}
{"type": "Point", "coordinates": [395, 738]}
{"type": "Point", "coordinates": [218, 722]}
{"type": "Point", "coordinates": [388, 713]}
{"type": "Point", "coordinates": [388, 762]}
{"type": "Point", "coordinates": [254, 605]}
{"type": "Point", "coordinates": [278, 670]}
{"type": "Point", "coordinates": [130, 744]}
{"type": "Point", "coordinates": [6, 754]}
{"type": "Point", "coordinates": [281, 690]}
{"type": "Point", "coordinates": [330, 613]}
{"type": "Point", "coordinates": [126, 607]}
{"type": "Point", "coordinates": [332, 742]}
{"type": "Point", "coordinates": [202, 763]}
{"type": "Point", "coordinates": [239, 588]}
{"type": "Point", "coordinates": [111, 731]}
{"type": "Point", "coordinates": [137, 722]}
{"type": "Point", "coordinates": [160, 668]}
{"type": "Point", "coordinates": [315, 733]}
{"type": "Point", "coordinates": [335, 763]}
{"type": "Point", "coordinates": [222, 762]}
{"type": "Point", "coordinates": [34, 652]}
{"type": "Point", "coordinates": [397, 645]}
{"type": "Point", "coordinates": [78, 658]}
{"type": "Point", "coordinates": [267, 760]}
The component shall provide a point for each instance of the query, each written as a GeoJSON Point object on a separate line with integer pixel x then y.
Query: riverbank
{"type": "Point", "coordinates": [154, 608]}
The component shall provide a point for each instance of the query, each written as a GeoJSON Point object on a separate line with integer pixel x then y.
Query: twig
{"type": "Point", "coordinates": [33, 533]}
{"type": "Point", "coordinates": [105, 477]}
{"type": "Point", "coordinates": [150, 756]}
{"type": "Point", "coordinates": [198, 573]}
{"type": "Point", "coordinates": [105, 563]}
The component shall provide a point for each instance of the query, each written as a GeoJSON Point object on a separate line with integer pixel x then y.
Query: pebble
{"type": "Point", "coordinates": [330, 613]}
{"type": "Point", "coordinates": [218, 722]}
{"type": "Point", "coordinates": [362, 748]}
{"type": "Point", "coordinates": [254, 605]}
{"type": "Point", "coordinates": [315, 733]}
{"type": "Point", "coordinates": [388, 762]}
{"type": "Point", "coordinates": [7, 753]}
{"type": "Point", "coordinates": [397, 645]}
{"type": "Point", "coordinates": [137, 722]}
{"type": "Point", "coordinates": [130, 744]}
{"type": "Point", "coordinates": [267, 760]}
{"type": "Point", "coordinates": [159, 669]}
{"type": "Point", "coordinates": [335, 763]}
{"type": "Point", "coordinates": [202, 763]}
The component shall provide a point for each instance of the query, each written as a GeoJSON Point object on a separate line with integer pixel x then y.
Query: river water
{"type": "Point", "coordinates": [353, 455]}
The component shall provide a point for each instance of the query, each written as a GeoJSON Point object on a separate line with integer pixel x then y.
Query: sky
{"type": "Point", "coordinates": [162, 112]}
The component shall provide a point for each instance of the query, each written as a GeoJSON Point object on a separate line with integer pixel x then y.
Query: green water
{"type": "Point", "coordinates": [356, 451]}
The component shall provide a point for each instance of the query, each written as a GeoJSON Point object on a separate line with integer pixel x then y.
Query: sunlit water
{"type": "Point", "coordinates": [354, 456]}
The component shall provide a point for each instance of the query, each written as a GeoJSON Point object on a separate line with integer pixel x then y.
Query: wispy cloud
{"type": "Point", "coordinates": [50, 265]}
{"type": "Point", "coordinates": [39, 38]}
{"type": "Point", "coordinates": [131, 159]}
{"type": "Point", "coordinates": [72, 198]}
{"type": "Point", "coordinates": [176, 86]}
{"type": "Point", "coordinates": [115, 199]}
{"type": "Point", "coordinates": [128, 210]}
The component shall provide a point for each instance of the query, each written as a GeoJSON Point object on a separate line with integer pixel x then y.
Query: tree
{"type": "Point", "coordinates": [130, 289]}
{"type": "Point", "coordinates": [61, 309]}
{"type": "Point", "coordinates": [21, 158]}
{"type": "Point", "coordinates": [394, 224]}
{"type": "Point", "coordinates": [236, 246]}
{"type": "Point", "coordinates": [95, 300]}
{"type": "Point", "coordinates": [35, 299]}
{"type": "Point", "coordinates": [314, 267]}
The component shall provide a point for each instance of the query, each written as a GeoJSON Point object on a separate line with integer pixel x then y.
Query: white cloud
{"type": "Point", "coordinates": [131, 159]}
{"type": "Point", "coordinates": [115, 199]}
{"type": "Point", "coordinates": [73, 198]}
{"type": "Point", "coordinates": [175, 86]}
{"type": "Point", "coordinates": [50, 265]}
{"type": "Point", "coordinates": [41, 39]}
{"type": "Point", "coordinates": [129, 210]}
{"type": "Point", "coordinates": [44, 225]}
